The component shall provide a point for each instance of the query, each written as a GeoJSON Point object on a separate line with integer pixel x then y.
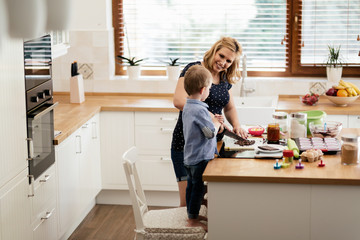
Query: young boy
{"type": "Point", "coordinates": [200, 131]}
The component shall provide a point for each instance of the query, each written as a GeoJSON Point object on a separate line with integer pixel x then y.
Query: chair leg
{"type": "Point", "coordinates": [139, 236]}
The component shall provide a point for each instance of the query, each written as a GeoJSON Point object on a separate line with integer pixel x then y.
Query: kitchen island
{"type": "Point", "coordinates": [248, 199]}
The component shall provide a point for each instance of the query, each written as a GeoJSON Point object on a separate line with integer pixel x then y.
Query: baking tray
{"type": "Point", "coordinates": [325, 150]}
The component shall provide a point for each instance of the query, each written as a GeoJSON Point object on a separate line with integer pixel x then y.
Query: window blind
{"type": "Point", "coordinates": [329, 22]}
{"type": "Point", "coordinates": [162, 29]}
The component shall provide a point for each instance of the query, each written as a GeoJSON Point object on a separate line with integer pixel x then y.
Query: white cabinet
{"type": "Point", "coordinates": [43, 206]}
{"type": "Point", "coordinates": [89, 161]}
{"type": "Point", "coordinates": [15, 209]}
{"type": "Point", "coordinates": [68, 181]}
{"type": "Point", "coordinates": [348, 121]}
{"type": "Point", "coordinates": [153, 135]}
{"type": "Point", "coordinates": [117, 135]}
{"type": "Point", "coordinates": [78, 173]}
{"type": "Point", "coordinates": [354, 121]}
{"type": "Point", "coordinates": [338, 118]}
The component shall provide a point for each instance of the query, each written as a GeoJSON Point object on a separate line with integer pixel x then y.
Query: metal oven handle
{"type": "Point", "coordinates": [45, 111]}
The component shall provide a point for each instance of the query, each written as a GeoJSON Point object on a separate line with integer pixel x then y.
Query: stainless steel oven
{"type": "Point", "coordinates": [39, 105]}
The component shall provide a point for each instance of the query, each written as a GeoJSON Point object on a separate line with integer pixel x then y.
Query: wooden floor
{"type": "Point", "coordinates": [107, 222]}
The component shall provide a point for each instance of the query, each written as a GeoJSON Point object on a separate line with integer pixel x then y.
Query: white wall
{"type": "Point", "coordinates": [91, 40]}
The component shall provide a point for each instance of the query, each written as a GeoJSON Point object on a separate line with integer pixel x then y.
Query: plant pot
{"type": "Point", "coordinates": [133, 72]}
{"type": "Point", "coordinates": [173, 72]}
{"type": "Point", "coordinates": [333, 74]}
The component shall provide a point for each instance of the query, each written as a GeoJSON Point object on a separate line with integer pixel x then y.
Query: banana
{"type": "Point", "coordinates": [349, 91]}
{"type": "Point", "coordinates": [345, 84]}
{"type": "Point", "coordinates": [338, 87]}
{"type": "Point", "coordinates": [357, 90]}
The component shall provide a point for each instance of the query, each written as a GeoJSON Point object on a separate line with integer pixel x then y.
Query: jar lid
{"type": "Point", "coordinates": [350, 138]}
{"type": "Point", "coordinates": [280, 115]}
{"type": "Point", "coordinates": [299, 115]}
{"type": "Point", "coordinates": [288, 153]}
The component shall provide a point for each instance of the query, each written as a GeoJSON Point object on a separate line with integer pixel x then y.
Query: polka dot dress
{"type": "Point", "coordinates": [217, 100]}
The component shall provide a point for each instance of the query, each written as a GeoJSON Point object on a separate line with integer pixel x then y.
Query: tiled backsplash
{"type": "Point", "coordinates": [93, 50]}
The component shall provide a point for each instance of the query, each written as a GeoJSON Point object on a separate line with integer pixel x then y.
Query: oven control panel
{"type": "Point", "coordinates": [38, 95]}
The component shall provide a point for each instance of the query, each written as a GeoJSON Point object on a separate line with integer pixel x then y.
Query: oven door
{"type": "Point", "coordinates": [41, 149]}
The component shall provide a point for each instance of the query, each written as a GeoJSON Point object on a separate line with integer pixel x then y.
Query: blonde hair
{"type": "Point", "coordinates": [232, 73]}
{"type": "Point", "coordinates": [196, 77]}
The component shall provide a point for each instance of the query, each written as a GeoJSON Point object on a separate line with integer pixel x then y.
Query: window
{"type": "Point", "coordinates": [279, 37]}
{"type": "Point", "coordinates": [319, 23]}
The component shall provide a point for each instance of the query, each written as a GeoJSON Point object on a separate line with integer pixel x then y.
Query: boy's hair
{"type": "Point", "coordinates": [232, 73]}
{"type": "Point", "coordinates": [196, 77]}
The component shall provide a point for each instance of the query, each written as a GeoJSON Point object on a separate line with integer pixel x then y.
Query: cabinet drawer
{"type": "Point", "coordinates": [156, 119]}
{"type": "Point", "coordinates": [45, 227]}
{"type": "Point", "coordinates": [153, 139]}
{"type": "Point", "coordinates": [156, 173]}
{"type": "Point", "coordinates": [44, 192]}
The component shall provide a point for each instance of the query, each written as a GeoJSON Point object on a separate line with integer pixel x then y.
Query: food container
{"type": "Point", "coordinates": [350, 149]}
{"type": "Point", "coordinates": [298, 125]}
{"type": "Point", "coordinates": [315, 116]}
{"type": "Point", "coordinates": [329, 129]}
{"type": "Point", "coordinates": [282, 119]}
{"type": "Point", "coordinates": [273, 133]}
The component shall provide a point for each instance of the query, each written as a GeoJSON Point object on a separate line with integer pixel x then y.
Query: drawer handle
{"type": "Point", "coordinates": [165, 159]}
{"type": "Point", "coordinates": [166, 129]}
{"type": "Point", "coordinates": [168, 119]}
{"type": "Point", "coordinates": [48, 215]}
{"type": "Point", "coordinates": [32, 179]}
{"type": "Point", "coordinates": [86, 125]}
{"type": "Point", "coordinates": [47, 177]}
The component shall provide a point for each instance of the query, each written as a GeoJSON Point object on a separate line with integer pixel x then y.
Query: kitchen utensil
{"type": "Point", "coordinates": [233, 135]}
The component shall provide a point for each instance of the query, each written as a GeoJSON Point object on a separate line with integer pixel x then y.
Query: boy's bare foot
{"type": "Point", "coordinates": [196, 223]}
{"type": "Point", "coordinates": [202, 218]}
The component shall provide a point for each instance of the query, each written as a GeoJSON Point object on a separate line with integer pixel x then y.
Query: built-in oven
{"type": "Point", "coordinates": [39, 105]}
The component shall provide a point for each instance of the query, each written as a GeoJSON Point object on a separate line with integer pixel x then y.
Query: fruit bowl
{"type": "Point", "coordinates": [325, 129]}
{"type": "Point", "coordinates": [341, 101]}
{"type": "Point", "coordinates": [310, 99]}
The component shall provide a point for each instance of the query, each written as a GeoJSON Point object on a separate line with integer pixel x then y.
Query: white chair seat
{"type": "Point", "coordinates": [171, 224]}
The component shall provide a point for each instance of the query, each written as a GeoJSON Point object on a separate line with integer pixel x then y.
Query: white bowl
{"type": "Point", "coordinates": [341, 101]}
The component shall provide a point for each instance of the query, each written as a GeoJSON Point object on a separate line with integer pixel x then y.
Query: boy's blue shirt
{"type": "Point", "coordinates": [199, 132]}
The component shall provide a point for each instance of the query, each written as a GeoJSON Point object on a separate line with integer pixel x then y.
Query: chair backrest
{"type": "Point", "coordinates": [137, 195]}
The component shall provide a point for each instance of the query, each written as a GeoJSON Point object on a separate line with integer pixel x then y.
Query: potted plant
{"type": "Point", "coordinates": [334, 65]}
{"type": "Point", "coordinates": [173, 69]}
{"type": "Point", "coordinates": [133, 69]}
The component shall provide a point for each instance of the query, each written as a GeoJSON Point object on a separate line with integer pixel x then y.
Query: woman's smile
{"type": "Point", "coordinates": [223, 59]}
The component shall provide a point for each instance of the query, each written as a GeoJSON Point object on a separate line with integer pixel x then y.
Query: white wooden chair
{"type": "Point", "coordinates": [156, 224]}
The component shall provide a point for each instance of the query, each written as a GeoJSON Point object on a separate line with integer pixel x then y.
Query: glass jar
{"type": "Point", "coordinates": [273, 133]}
{"type": "Point", "coordinates": [349, 149]}
{"type": "Point", "coordinates": [298, 125]}
{"type": "Point", "coordinates": [282, 119]}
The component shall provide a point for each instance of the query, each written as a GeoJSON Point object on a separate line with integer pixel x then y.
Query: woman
{"type": "Point", "coordinates": [222, 60]}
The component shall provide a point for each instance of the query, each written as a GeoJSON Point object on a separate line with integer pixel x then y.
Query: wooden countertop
{"type": "Point", "coordinates": [262, 171]}
{"type": "Point", "coordinates": [68, 117]}
{"type": "Point", "coordinates": [71, 116]}
{"type": "Point", "coordinates": [291, 103]}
